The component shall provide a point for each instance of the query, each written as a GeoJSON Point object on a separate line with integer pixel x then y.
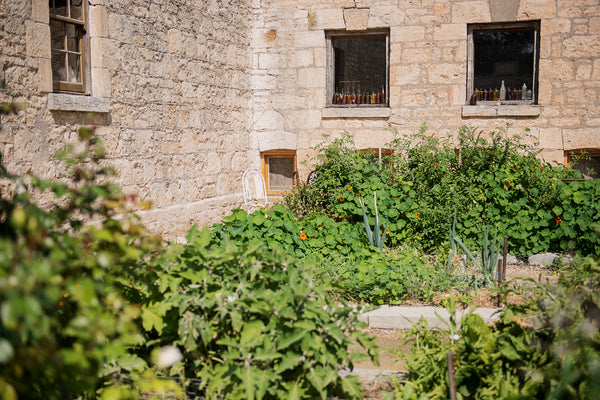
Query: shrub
{"type": "Point", "coordinates": [488, 178]}
{"type": "Point", "coordinates": [63, 317]}
{"type": "Point", "coordinates": [252, 323]}
{"type": "Point", "coordinates": [547, 348]}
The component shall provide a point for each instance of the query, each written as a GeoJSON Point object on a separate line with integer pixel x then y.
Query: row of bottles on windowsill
{"type": "Point", "coordinates": [501, 94]}
{"type": "Point", "coordinates": [345, 97]}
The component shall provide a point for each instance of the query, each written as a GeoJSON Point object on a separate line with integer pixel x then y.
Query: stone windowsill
{"type": "Point", "coordinates": [356, 112]}
{"type": "Point", "coordinates": [501, 110]}
{"type": "Point", "coordinates": [80, 103]}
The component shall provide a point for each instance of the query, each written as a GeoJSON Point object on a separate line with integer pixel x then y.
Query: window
{"type": "Point", "coordinates": [358, 69]}
{"type": "Point", "coordinates": [68, 36]}
{"type": "Point", "coordinates": [503, 53]}
{"type": "Point", "coordinates": [279, 170]}
{"type": "Point", "coordinates": [586, 161]}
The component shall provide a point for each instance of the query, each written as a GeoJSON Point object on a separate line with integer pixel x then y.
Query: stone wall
{"type": "Point", "coordinates": [428, 68]}
{"type": "Point", "coordinates": [169, 95]}
{"type": "Point", "coordinates": [187, 94]}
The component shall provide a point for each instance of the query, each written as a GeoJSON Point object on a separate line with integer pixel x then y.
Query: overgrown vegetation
{"type": "Point", "coordinates": [548, 348]}
{"type": "Point", "coordinates": [255, 306]}
{"type": "Point", "coordinates": [489, 178]}
{"type": "Point", "coordinates": [63, 318]}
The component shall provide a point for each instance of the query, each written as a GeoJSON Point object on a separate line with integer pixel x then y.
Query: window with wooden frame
{"type": "Point", "coordinates": [68, 19]}
{"type": "Point", "coordinates": [279, 170]}
{"type": "Point", "coordinates": [587, 161]}
{"type": "Point", "coordinates": [358, 68]}
{"type": "Point", "coordinates": [503, 53]}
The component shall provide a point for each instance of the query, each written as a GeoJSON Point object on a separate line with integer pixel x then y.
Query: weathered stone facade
{"type": "Point", "coordinates": [187, 94]}
{"type": "Point", "coordinates": [428, 70]}
{"type": "Point", "coordinates": [169, 93]}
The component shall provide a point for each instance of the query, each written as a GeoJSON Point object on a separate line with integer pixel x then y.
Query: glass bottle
{"type": "Point", "coordinates": [524, 91]}
{"type": "Point", "coordinates": [496, 94]}
{"type": "Point", "coordinates": [502, 92]}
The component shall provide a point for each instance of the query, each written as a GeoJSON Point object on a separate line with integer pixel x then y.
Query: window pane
{"type": "Point", "coordinates": [76, 9]}
{"type": "Point", "coordinates": [57, 32]}
{"type": "Point", "coordinates": [58, 67]}
{"type": "Point", "coordinates": [588, 165]}
{"type": "Point", "coordinates": [281, 173]}
{"type": "Point", "coordinates": [73, 68]}
{"type": "Point", "coordinates": [59, 7]}
{"type": "Point", "coordinates": [360, 65]}
{"type": "Point", "coordinates": [73, 37]}
{"type": "Point", "coordinates": [503, 56]}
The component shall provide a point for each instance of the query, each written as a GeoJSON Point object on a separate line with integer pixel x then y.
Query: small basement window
{"type": "Point", "coordinates": [586, 161]}
{"type": "Point", "coordinates": [503, 53]}
{"type": "Point", "coordinates": [279, 170]}
{"type": "Point", "coordinates": [358, 69]}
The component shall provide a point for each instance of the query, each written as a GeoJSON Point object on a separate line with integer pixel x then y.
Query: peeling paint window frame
{"type": "Point", "coordinates": [82, 51]}
{"type": "Point", "coordinates": [505, 26]}
{"type": "Point", "coordinates": [330, 37]}
{"type": "Point", "coordinates": [271, 154]}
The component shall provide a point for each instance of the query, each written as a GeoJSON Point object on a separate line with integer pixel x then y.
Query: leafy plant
{"type": "Point", "coordinates": [548, 348]}
{"type": "Point", "coordinates": [251, 323]}
{"type": "Point", "coordinates": [64, 322]}
{"type": "Point", "coordinates": [374, 236]}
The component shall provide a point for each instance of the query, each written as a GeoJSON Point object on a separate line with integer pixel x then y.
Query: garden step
{"type": "Point", "coordinates": [404, 317]}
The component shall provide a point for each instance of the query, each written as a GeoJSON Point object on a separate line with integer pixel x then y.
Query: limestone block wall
{"type": "Point", "coordinates": [170, 95]}
{"type": "Point", "coordinates": [428, 71]}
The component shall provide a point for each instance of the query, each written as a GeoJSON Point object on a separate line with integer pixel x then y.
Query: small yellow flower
{"type": "Point", "coordinates": [340, 198]}
{"type": "Point", "coordinates": [303, 236]}
{"type": "Point", "coordinates": [387, 231]}
{"type": "Point", "coordinates": [419, 238]}
{"type": "Point", "coordinates": [417, 215]}
{"type": "Point", "coordinates": [349, 187]}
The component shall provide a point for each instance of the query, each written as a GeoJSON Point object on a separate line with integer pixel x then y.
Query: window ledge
{"type": "Point", "coordinates": [357, 112]}
{"type": "Point", "coordinates": [501, 110]}
{"type": "Point", "coordinates": [74, 102]}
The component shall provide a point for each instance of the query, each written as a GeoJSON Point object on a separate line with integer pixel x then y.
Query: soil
{"type": "Point", "coordinates": [391, 341]}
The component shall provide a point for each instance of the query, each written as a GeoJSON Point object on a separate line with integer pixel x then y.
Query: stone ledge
{"type": "Point", "coordinates": [357, 112]}
{"type": "Point", "coordinates": [501, 110]}
{"type": "Point", "coordinates": [74, 102]}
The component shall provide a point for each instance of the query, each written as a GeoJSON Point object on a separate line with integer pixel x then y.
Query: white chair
{"type": "Point", "coordinates": [255, 192]}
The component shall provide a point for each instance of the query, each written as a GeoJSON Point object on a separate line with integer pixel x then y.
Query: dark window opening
{"type": "Point", "coordinates": [504, 62]}
{"type": "Point", "coordinates": [358, 69]}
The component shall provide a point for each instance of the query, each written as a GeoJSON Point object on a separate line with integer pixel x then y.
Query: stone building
{"type": "Point", "coordinates": [187, 94]}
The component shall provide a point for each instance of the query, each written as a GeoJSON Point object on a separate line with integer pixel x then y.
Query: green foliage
{"type": "Point", "coordinates": [393, 279]}
{"type": "Point", "coordinates": [251, 322]}
{"type": "Point", "coordinates": [492, 179]}
{"type": "Point", "coordinates": [63, 320]}
{"type": "Point", "coordinates": [374, 236]}
{"type": "Point", "coordinates": [548, 348]}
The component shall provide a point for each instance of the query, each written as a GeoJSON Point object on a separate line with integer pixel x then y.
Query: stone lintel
{"type": "Point", "coordinates": [74, 102]}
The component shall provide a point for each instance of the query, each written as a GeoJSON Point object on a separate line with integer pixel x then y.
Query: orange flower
{"type": "Point", "coordinates": [349, 187]}
{"type": "Point", "coordinates": [558, 221]}
{"type": "Point", "coordinates": [61, 303]}
{"type": "Point", "coordinates": [303, 236]}
{"type": "Point", "coordinates": [387, 231]}
{"type": "Point", "coordinates": [340, 198]}
{"type": "Point", "coordinates": [541, 166]}
{"type": "Point", "coordinates": [417, 215]}
{"type": "Point", "coordinates": [436, 164]}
